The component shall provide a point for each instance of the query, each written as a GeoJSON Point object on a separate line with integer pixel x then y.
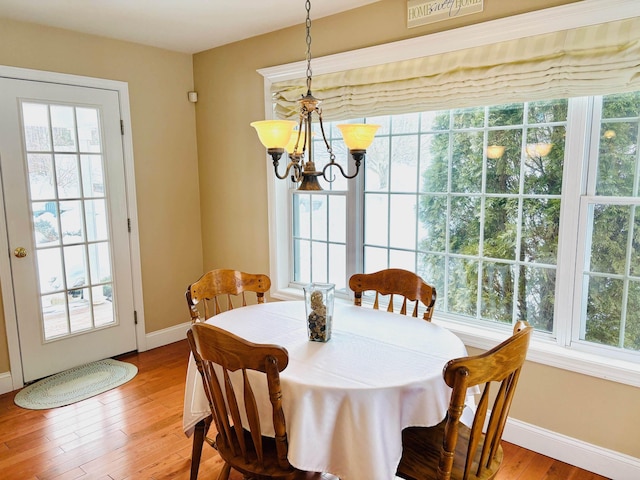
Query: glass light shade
{"type": "Point", "coordinates": [358, 136]}
{"type": "Point", "coordinates": [274, 133]}
{"type": "Point", "coordinates": [292, 142]}
{"type": "Point", "coordinates": [495, 151]}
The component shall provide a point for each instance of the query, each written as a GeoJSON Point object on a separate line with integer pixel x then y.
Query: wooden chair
{"type": "Point", "coordinates": [395, 281]}
{"type": "Point", "coordinates": [207, 297]}
{"type": "Point", "coordinates": [217, 354]}
{"type": "Point", "coordinates": [451, 450]}
{"type": "Point", "coordinates": [204, 296]}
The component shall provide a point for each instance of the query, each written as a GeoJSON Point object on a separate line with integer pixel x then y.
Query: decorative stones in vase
{"type": "Point", "coordinates": [318, 299]}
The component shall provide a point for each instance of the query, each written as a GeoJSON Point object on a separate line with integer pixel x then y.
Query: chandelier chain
{"type": "Point", "coordinates": [308, 54]}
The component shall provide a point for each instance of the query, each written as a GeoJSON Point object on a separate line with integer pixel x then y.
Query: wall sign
{"type": "Point", "coordinates": [422, 12]}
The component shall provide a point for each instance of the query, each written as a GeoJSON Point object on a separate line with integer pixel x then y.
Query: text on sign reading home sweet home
{"type": "Point", "coordinates": [420, 12]}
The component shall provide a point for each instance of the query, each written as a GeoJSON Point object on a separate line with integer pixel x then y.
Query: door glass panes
{"type": "Point", "coordinates": [67, 194]}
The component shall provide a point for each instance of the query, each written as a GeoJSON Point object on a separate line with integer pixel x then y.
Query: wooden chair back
{"type": "Point", "coordinates": [395, 281]}
{"type": "Point", "coordinates": [453, 451]}
{"type": "Point", "coordinates": [216, 290]}
{"type": "Point", "coordinates": [218, 353]}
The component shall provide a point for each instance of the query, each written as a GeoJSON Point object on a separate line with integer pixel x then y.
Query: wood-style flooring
{"type": "Point", "coordinates": [135, 432]}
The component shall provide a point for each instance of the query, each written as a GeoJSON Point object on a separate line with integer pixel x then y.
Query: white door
{"type": "Point", "coordinates": [62, 167]}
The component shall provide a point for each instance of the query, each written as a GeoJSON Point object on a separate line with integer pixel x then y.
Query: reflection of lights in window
{"type": "Point", "coordinates": [495, 151]}
{"type": "Point", "coordinates": [609, 134]}
{"type": "Point", "coordinates": [538, 149]}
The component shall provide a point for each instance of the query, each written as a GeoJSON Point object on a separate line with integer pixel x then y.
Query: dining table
{"type": "Point", "coordinates": [347, 400]}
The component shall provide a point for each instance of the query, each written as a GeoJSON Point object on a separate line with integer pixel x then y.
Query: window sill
{"type": "Point", "coordinates": [541, 350]}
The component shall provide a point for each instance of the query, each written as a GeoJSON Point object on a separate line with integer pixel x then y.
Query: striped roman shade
{"type": "Point", "coordinates": [603, 58]}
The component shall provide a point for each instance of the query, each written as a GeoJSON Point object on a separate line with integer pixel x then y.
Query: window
{"type": "Point", "coordinates": [610, 270]}
{"type": "Point", "coordinates": [471, 200]}
{"type": "Point", "coordinates": [508, 208]}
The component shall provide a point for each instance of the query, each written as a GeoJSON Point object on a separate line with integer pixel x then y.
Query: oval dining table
{"type": "Point", "coordinates": [345, 401]}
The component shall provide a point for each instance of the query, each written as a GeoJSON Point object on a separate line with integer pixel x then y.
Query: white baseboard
{"type": "Point", "coordinates": [602, 461]}
{"type": "Point", "coordinates": [166, 336]}
{"type": "Point", "coordinates": [6, 385]}
{"type": "Point", "coordinates": [153, 340]}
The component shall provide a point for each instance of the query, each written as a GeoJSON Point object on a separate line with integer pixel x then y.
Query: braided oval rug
{"type": "Point", "coordinates": [75, 384]}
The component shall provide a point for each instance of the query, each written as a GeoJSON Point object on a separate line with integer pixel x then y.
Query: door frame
{"type": "Point", "coordinates": [6, 280]}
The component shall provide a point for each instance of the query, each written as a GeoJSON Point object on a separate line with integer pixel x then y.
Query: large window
{"type": "Point", "coordinates": [472, 199]}
{"type": "Point", "coordinates": [506, 173]}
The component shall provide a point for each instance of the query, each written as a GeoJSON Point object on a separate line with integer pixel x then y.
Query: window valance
{"type": "Point", "coordinates": [603, 58]}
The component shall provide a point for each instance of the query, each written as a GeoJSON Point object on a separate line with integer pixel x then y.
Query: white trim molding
{"type": "Point", "coordinates": [592, 458]}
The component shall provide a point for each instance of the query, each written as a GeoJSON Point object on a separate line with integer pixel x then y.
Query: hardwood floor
{"type": "Point", "coordinates": [135, 432]}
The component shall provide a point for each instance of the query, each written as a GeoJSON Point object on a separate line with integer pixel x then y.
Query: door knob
{"type": "Point", "coordinates": [20, 252]}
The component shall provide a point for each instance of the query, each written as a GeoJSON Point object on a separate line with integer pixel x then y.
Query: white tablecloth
{"type": "Point", "coordinates": [346, 401]}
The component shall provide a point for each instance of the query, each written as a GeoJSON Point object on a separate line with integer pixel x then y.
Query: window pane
{"type": "Point", "coordinates": [63, 128]}
{"type": "Point", "coordinates": [407, 123]}
{"type": "Point", "coordinates": [497, 291]}
{"type": "Point", "coordinates": [500, 228]}
{"type": "Point", "coordinates": [41, 182]}
{"type": "Point", "coordinates": [548, 111]}
{"type": "Point", "coordinates": [503, 167]}
{"type": "Point", "coordinates": [376, 226]}
{"type": "Point", "coordinates": [432, 217]}
{"type": "Point", "coordinates": [67, 176]}
{"type": "Point", "coordinates": [45, 223]}
{"type": "Point", "coordinates": [376, 166]}
{"type": "Point", "coordinates": [544, 164]}
{"type": "Point", "coordinates": [540, 220]}
{"type": "Point", "coordinates": [536, 296]}
{"type": "Point", "coordinates": [468, 118]}
{"type": "Point", "coordinates": [404, 164]}
{"type": "Point", "coordinates": [37, 134]}
{"type": "Point", "coordinates": [319, 262]}
{"type": "Point", "coordinates": [402, 228]}
{"type": "Point", "coordinates": [92, 175]}
{"type": "Point", "coordinates": [462, 286]}
{"type": "Point", "coordinates": [464, 225]}
{"type": "Point", "coordinates": [604, 303]}
{"type": "Point", "coordinates": [88, 132]}
{"type": "Point", "coordinates": [302, 260]}
{"type": "Point", "coordinates": [466, 164]}
{"type": "Point", "coordinates": [337, 266]}
{"type": "Point", "coordinates": [71, 222]}
{"type": "Point", "coordinates": [503, 115]}
{"type": "Point", "coordinates": [432, 269]}
{"type": "Point", "coordinates": [434, 162]}
{"type": "Point", "coordinates": [609, 238]}
{"type": "Point", "coordinates": [375, 259]}
{"type": "Point", "coordinates": [621, 105]}
{"type": "Point", "coordinates": [337, 219]}
{"type": "Point", "coordinates": [617, 159]}
{"type": "Point", "coordinates": [632, 327]}
{"type": "Point", "coordinates": [402, 259]}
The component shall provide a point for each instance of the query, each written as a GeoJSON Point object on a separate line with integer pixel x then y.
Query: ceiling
{"type": "Point", "coordinates": [188, 26]}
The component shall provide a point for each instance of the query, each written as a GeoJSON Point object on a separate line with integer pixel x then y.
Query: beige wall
{"type": "Point", "coordinates": [164, 143]}
{"type": "Point", "coordinates": [232, 182]}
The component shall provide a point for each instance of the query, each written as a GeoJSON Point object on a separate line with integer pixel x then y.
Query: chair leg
{"type": "Point", "coordinates": [196, 452]}
{"type": "Point", "coordinates": [224, 473]}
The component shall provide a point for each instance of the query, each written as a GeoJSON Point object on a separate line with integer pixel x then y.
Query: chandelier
{"type": "Point", "coordinates": [279, 136]}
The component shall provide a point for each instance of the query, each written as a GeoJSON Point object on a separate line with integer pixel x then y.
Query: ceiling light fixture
{"type": "Point", "coordinates": [279, 136]}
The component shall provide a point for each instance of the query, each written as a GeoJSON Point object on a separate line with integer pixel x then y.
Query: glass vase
{"type": "Point", "coordinates": [318, 300]}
